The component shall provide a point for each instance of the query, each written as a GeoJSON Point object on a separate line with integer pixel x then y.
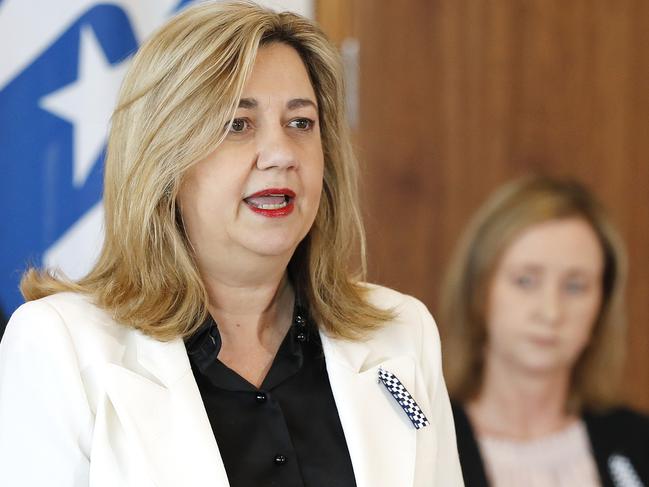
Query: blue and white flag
{"type": "Point", "coordinates": [61, 67]}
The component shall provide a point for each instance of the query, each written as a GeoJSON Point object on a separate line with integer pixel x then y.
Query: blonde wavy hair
{"type": "Point", "coordinates": [181, 91]}
{"type": "Point", "coordinates": [509, 211]}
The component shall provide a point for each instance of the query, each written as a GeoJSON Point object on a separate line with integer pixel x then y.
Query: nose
{"type": "Point", "coordinates": [549, 305]}
{"type": "Point", "coordinates": [275, 150]}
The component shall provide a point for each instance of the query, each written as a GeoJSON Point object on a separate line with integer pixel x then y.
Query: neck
{"type": "Point", "coordinates": [250, 302]}
{"type": "Point", "coordinates": [520, 404]}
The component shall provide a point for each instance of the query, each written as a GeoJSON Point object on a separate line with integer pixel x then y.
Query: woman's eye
{"type": "Point", "coordinates": [575, 287]}
{"type": "Point", "coordinates": [238, 125]}
{"type": "Point", "coordinates": [301, 123]}
{"type": "Point", "coordinates": [524, 282]}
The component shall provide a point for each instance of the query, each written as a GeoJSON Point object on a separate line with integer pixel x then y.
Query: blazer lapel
{"type": "Point", "coordinates": [165, 434]}
{"type": "Point", "coordinates": [380, 437]}
{"type": "Point", "coordinates": [161, 413]}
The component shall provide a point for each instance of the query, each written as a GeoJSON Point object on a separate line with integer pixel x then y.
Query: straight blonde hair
{"type": "Point", "coordinates": [508, 212]}
{"type": "Point", "coordinates": [178, 97]}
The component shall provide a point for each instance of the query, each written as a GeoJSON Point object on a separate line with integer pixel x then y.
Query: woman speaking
{"type": "Point", "coordinates": [220, 338]}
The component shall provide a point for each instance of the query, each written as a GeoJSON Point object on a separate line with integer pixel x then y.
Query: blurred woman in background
{"type": "Point", "coordinates": [533, 336]}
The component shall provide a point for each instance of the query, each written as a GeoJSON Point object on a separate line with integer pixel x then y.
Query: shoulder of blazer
{"type": "Point", "coordinates": [96, 337]}
{"type": "Point", "coordinates": [410, 333]}
{"type": "Point", "coordinates": [620, 431]}
{"type": "Point", "coordinates": [467, 446]}
{"type": "Point", "coordinates": [412, 322]}
{"type": "Point", "coordinates": [390, 299]}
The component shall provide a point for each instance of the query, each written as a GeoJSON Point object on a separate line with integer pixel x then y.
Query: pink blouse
{"type": "Point", "coordinates": [561, 459]}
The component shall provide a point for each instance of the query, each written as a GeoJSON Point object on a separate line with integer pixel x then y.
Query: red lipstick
{"type": "Point", "coordinates": [272, 202]}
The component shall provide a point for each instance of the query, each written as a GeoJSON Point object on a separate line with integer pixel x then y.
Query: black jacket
{"type": "Point", "coordinates": [620, 432]}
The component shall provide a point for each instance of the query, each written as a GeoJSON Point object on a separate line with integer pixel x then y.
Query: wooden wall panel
{"type": "Point", "coordinates": [459, 96]}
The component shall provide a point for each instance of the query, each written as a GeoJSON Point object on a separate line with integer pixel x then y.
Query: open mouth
{"type": "Point", "coordinates": [271, 202]}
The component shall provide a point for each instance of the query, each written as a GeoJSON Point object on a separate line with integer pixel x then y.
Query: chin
{"type": "Point", "coordinates": [541, 365]}
{"type": "Point", "coordinates": [273, 247]}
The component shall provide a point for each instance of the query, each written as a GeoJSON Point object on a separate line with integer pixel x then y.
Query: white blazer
{"type": "Point", "coordinates": [85, 401]}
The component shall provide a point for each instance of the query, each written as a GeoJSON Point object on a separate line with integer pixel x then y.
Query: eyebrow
{"type": "Point", "coordinates": [293, 104]}
{"type": "Point", "coordinates": [299, 103]}
{"type": "Point", "coordinates": [525, 267]}
{"type": "Point", "coordinates": [539, 268]}
{"type": "Point", "coordinates": [248, 103]}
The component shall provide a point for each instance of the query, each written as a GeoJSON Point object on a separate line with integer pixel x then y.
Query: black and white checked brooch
{"type": "Point", "coordinates": [622, 472]}
{"type": "Point", "coordinates": [403, 397]}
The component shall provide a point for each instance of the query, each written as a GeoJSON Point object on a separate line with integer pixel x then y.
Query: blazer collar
{"type": "Point", "coordinates": [381, 439]}
{"type": "Point", "coordinates": [349, 354]}
{"type": "Point", "coordinates": [156, 418]}
{"type": "Point", "coordinates": [157, 407]}
{"type": "Point", "coordinates": [166, 361]}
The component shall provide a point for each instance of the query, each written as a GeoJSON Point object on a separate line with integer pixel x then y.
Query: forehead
{"type": "Point", "coordinates": [278, 72]}
{"type": "Point", "coordinates": [569, 243]}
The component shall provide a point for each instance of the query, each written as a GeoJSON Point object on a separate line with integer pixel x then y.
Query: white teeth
{"type": "Point", "coordinates": [273, 207]}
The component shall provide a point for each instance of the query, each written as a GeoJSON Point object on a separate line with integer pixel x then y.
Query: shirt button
{"type": "Point", "coordinates": [279, 460]}
{"type": "Point", "coordinates": [301, 337]}
{"type": "Point", "coordinates": [260, 397]}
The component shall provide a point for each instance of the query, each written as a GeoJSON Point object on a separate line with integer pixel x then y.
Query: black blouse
{"type": "Point", "coordinates": [287, 433]}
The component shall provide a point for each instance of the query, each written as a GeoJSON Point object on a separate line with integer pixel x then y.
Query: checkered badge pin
{"type": "Point", "coordinates": [622, 472]}
{"type": "Point", "coordinates": [403, 397]}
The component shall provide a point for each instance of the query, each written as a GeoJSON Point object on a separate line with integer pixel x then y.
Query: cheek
{"type": "Point", "coordinates": [316, 188]}
{"type": "Point", "coordinates": [505, 311]}
{"type": "Point", "coordinates": [186, 201]}
{"type": "Point", "coordinates": [203, 202]}
{"type": "Point", "coordinates": [581, 323]}
{"type": "Point", "coordinates": [313, 180]}
{"type": "Point", "coordinates": [190, 212]}
{"type": "Point", "coordinates": [197, 202]}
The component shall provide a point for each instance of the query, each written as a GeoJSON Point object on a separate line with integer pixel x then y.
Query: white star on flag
{"type": "Point", "coordinates": [88, 103]}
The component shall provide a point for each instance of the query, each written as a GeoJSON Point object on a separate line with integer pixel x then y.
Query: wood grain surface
{"type": "Point", "coordinates": [459, 96]}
